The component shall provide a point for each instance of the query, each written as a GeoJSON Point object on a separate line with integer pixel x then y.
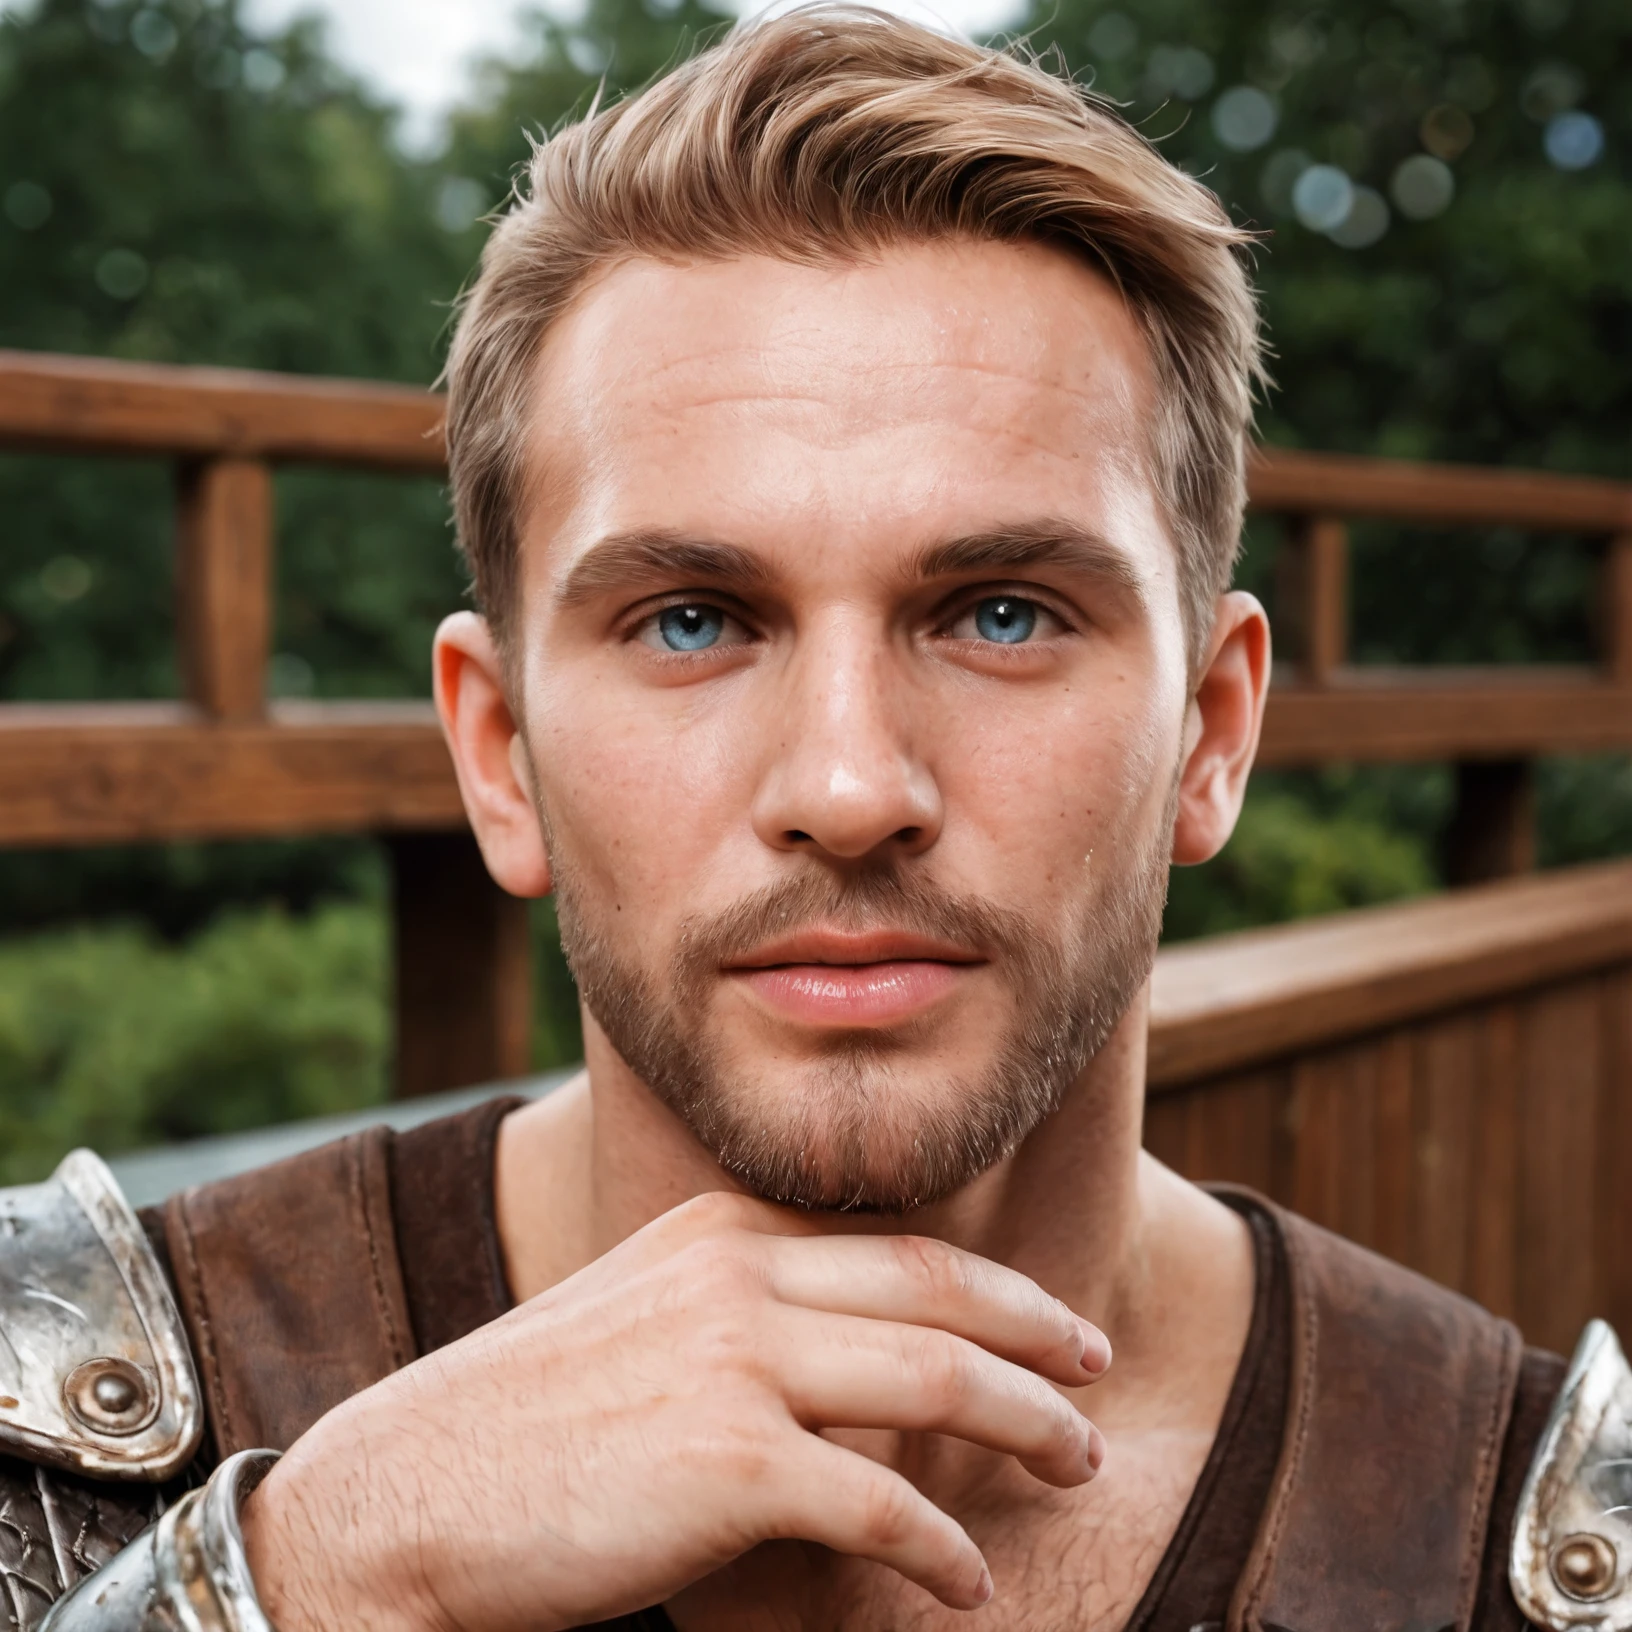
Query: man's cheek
{"type": "Point", "coordinates": [631, 827]}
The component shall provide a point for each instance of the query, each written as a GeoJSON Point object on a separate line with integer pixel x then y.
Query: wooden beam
{"type": "Point", "coordinates": [1616, 600]}
{"type": "Point", "coordinates": [1493, 827]}
{"type": "Point", "coordinates": [1281, 479]}
{"type": "Point", "coordinates": [86, 404]}
{"type": "Point", "coordinates": [1312, 594]}
{"type": "Point", "coordinates": [1374, 715]}
{"type": "Point", "coordinates": [110, 774]}
{"type": "Point", "coordinates": [463, 968]}
{"type": "Point", "coordinates": [1234, 1002]}
{"type": "Point", "coordinates": [224, 584]}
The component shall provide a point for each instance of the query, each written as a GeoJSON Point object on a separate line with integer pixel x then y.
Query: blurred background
{"type": "Point", "coordinates": [1443, 194]}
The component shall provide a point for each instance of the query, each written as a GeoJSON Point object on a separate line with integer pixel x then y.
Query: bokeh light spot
{"type": "Point", "coordinates": [153, 34]}
{"type": "Point", "coordinates": [1322, 197]}
{"type": "Point", "coordinates": [1423, 187]}
{"type": "Point", "coordinates": [1113, 37]}
{"type": "Point", "coordinates": [459, 201]}
{"type": "Point", "coordinates": [1447, 131]}
{"type": "Point", "coordinates": [28, 205]}
{"type": "Point", "coordinates": [1181, 71]}
{"type": "Point", "coordinates": [1573, 140]}
{"type": "Point", "coordinates": [1244, 118]}
{"type": "Point", "coordinates": [121, 273]}
{"type": "Point", "coordinates": [1549, 90]}
{"type": "Point", "coordinates": [65, 578]}
{"type": "Point", "coordinates": [1366, 221]}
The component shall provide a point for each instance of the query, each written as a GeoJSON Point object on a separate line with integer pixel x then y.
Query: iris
{"type": "Point", "coordinates": [1006, 619]}
{"type": "Point", "coordinates": [690, 628]}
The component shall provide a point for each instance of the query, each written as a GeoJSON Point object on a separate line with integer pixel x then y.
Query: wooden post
{"type": "Point", "coordinates": [1493, 830]}
{"type": "Point", "coordinates": [1617, 609]}
{"type": "Point", "coordinates": [463, 968]}
{"type": "Point", "coordinates": [224, 584]}
{"type": "Point", "coordinates": [1313, 595]}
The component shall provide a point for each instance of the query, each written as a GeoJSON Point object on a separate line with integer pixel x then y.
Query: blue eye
{"type": "Point", "coordinates": [1006, 619]}
{"type": "Point", "coordinates": [690, 628]}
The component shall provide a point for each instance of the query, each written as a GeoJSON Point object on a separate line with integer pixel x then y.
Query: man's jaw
{"type": "Point", "coordinates": [848, 980]}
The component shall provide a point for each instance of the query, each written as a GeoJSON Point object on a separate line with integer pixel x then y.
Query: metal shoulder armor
{"type": "Point", "coordinates": [1571, 1562]}
{"type": "Point", "coordinates": [96, 1374]}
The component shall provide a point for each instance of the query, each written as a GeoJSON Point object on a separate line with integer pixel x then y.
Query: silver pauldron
{"type": "Point", "coordinates": [1571, 1563]}
{"type": "Point", "coordinates": [187, 1573]}
{"type": "Point", "coordinates": [96, 1374]}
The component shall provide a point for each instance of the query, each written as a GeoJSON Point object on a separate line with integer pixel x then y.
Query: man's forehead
{"type": "Point", "coordinates": [964, 319]}
{"type": "Point", "coordinates": [942, 389]}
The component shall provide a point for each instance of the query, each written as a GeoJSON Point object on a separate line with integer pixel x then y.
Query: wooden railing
{"type": "Point", "coordinates": [1448, 1081]}
{"type": "Point", "coordinates": [225, 762]}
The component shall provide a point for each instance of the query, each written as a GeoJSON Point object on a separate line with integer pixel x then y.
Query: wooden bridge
{"type": "Point", "coordinates": [1449, 1080]}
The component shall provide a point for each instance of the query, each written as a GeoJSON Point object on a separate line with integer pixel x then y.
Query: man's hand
{"type": "Point", "coordinates": [658, 1414]}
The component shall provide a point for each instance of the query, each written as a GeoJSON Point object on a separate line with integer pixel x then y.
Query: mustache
{"type": "Point", "coordinates": [885, 898]}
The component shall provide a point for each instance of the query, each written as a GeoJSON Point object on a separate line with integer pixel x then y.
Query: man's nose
{"type": "Point", "coordinates": [843, 776]}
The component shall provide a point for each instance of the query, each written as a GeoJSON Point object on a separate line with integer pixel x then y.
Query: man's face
{"type": "Point", "coordinates": [852, 677]}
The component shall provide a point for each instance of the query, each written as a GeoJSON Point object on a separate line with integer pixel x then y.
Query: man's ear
{"type": "Point", "coordinates": [1221, 729]}
{"type": "Point", "coordinates": [489, 754]}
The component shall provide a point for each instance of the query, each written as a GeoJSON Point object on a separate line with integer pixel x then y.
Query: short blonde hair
{"type": "Point", "coordinates": [830, 133]}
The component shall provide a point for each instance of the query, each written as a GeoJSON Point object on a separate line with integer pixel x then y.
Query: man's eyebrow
{"type": "Point", "coordinates": [1051, 542]}
{"type": "Point", "coordinates": [623, 559]}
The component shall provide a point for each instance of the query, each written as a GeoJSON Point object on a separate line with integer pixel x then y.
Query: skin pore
{"type": "Point", "coordinates": [836, 472]}
{"type": "Point", "coordinates": [847, 710]}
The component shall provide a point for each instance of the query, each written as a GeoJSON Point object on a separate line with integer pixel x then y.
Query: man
{"type": "Point", "coordinates": [847, 441]}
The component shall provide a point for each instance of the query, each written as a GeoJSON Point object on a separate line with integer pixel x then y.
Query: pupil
{"type": "Point", "coordinates": [690, 628]}
{"type": "Point", "coordinates": [1007, 619]}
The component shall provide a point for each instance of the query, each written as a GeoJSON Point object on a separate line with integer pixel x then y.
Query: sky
{"type": "Point", "coordinates": [419, 52]}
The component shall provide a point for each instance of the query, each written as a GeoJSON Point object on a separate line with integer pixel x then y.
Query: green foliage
{"type": "Point", "coordinates": [1289, 861]}
{"type": "Point", "coordinates": [113, 1038]}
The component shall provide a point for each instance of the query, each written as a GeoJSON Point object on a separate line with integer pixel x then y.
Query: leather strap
{"type": "Point", "coordinates": [1399, 1401]}
{"type": "Point", "coordinates": [290, 1284]}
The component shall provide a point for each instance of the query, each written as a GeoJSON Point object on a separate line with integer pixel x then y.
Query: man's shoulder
{"type": "Point", "coordinates": [96, 1367]}
{"type": "Point", "coordinates": [1433, 1465]}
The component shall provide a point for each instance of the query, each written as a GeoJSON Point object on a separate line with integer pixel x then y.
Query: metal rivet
{"type": "Point", "coordinates": [111, 1396]}
{"type": "Point", "coordinates": [1584, 1566]}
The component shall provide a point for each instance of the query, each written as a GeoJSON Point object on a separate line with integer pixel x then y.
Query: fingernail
{"type": "Point", "coordinates": [1096, 1351]}
{"type": "Point", "coordinates": [1096, 1449]}
{"type": "Point", "coordinates": [984, 1588]}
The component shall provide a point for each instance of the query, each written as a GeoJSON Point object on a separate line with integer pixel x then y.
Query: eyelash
{"type": "Point", "coordinates": [645, 616]}
{"type": "Point", "coordinates": [969, 601]}
{"type": "Point", "coordinates": [966, 604]}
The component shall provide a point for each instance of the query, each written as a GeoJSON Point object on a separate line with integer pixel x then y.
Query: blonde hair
{"type": "Point", "coordinates": [830, 133]}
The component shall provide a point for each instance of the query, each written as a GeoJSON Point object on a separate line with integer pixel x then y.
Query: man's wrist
{"type": "Point", "coordinates": [300, 1571]}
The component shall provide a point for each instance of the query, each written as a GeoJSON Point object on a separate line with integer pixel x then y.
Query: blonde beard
{"type": "Point", "coordinates": [852, 1135]}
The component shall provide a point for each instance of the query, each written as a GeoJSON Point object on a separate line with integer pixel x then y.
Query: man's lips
{"type": "Point", "coordinates": [868, 978]}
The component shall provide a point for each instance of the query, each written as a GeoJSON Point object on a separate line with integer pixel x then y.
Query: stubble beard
{"type": "Point", "coordinates": [855, 1134]}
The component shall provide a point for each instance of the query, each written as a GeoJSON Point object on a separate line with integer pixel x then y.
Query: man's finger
{"type": "Point", "coordinates": [841, 1500]}
{"type": "Point", "coordinates": [839, 1371]}
{"type": "Point", "coordinates": [923, 1282]}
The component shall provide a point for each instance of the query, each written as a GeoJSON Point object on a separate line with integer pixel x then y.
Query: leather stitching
{"type": "Point", "coordinates": [204, 1332]}
{"type": "Point", "coordinates": [1488, 1465]}
{"type": "Point", "coordinates": [382, 1302]}
{"type": "Point", "coordinates": [1288, 1475]}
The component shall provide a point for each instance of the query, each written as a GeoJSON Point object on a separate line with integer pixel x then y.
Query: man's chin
{"type": "Point", "coordinates": [859, 1140]}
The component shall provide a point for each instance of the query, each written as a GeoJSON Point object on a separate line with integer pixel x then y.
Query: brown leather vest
{"type": "Point", "coordinates": [289, 1280]}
